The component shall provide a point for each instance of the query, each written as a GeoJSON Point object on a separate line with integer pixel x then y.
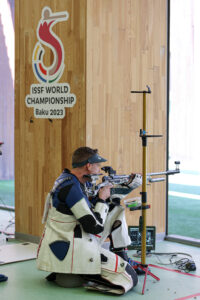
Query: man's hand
{"type": "Point", "coordinates": [104, 193]}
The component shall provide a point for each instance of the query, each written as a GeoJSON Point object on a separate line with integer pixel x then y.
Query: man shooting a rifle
{"type": "Point", "coordinates": [77, 226]}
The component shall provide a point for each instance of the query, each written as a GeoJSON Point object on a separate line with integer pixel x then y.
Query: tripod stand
{"type": "Point", "coordinates": [144, 207]}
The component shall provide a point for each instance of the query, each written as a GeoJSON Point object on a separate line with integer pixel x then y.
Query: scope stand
{"type": "Point", "coordinates": [144, 207]}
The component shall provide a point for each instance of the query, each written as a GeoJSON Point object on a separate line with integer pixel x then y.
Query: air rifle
{"type": "Point", "coordinates": [114, 179]}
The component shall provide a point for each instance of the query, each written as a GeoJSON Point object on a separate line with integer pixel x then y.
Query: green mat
{"type": "Point", "coordinates": [183, 217]}
{"type": "Point", "coordinates": [7, 193]}
{"type": "Point", "coordinates": [183, 213]}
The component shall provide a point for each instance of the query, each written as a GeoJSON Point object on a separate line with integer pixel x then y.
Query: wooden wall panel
{"type": "Point", "coordinates": [44, 148]}
{"type": "Point", "coordinates": [121, 47]}
{"type": "Point", "coordinates": [126, 50]}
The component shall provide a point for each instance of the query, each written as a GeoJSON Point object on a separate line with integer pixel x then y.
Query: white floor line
{"type": "Point", "coordinates": [184, 195]}
{"type": "Point", "coordinates": [185, 179]}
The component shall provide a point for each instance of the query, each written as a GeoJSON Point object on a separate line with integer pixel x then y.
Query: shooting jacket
{"type": "Point", "coordinates": [75, 228]}
{"type": "Point", "coordinates": [69, 243]}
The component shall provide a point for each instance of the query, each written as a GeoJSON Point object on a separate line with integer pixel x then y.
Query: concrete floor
{"type": "Point", "coordinates": [7, 222]}
{"type": "Point", "coordinates": [26, 282]}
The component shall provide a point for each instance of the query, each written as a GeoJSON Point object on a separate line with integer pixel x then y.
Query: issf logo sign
{"type": "Point", "coordinates": [49, 97]}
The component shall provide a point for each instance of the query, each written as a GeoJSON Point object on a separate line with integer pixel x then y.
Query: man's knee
{"type": "Point", "coordinates": [116, 224]}
{"type": "Point", "coordinates": [66, 280]}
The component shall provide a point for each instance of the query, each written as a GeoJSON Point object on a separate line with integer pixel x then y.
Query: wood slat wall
{"type": "Point", "coordinates": [112, 47]}
{"type": "Point", "coordinates": [44, 148]}
{"type": "Point", "coordinates": [126, 50]}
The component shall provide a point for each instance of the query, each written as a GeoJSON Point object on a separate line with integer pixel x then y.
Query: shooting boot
{"type": "Point", "coordinates": [123, 254]}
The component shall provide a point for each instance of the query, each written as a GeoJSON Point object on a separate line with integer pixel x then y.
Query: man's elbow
{"type": "Point", "coordinates": [90, 225]}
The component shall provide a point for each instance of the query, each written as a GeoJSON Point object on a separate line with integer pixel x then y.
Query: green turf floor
{"type": "Point", "coordinates": [184, 217]}
{"type": "Point", "coordinates": [184, 213]}
{"type": "Point", "coordinates": [7, 192]}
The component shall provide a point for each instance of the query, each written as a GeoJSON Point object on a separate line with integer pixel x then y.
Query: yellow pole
{"type": "Point", "coordinates": [144, 136]}
{"type": "Point", "coordinates": [144, 182]}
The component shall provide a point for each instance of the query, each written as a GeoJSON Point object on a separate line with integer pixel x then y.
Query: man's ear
{"type": "Point", "coordinates": [88, 166]}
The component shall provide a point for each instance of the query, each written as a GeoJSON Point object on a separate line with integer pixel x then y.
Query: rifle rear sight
{"type": "Point", "coordinates": [109, 170]}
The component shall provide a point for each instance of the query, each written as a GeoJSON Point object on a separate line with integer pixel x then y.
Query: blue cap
{"type": "Point", "coordinates": [96, 158]}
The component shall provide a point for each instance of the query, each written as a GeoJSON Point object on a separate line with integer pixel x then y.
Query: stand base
{"type": "Point", "coordinates": [145, 268]}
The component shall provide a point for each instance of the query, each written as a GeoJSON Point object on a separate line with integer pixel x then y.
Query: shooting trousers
{"type": "Point", "coordinates": [66, 248]}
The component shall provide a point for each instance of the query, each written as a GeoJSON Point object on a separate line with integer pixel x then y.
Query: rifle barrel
{"type": "Point", "coordinates": [169, 172]}
{"type": "Point", "coordinates": [151, 180]}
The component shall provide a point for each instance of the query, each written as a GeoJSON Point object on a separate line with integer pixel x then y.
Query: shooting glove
{"type": "Point", "coordinates": [121, 191]}
{"type": "Point", "coordinates": [135, 181]}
